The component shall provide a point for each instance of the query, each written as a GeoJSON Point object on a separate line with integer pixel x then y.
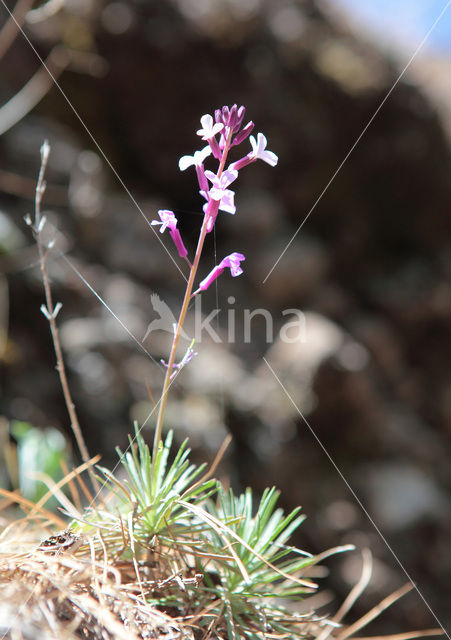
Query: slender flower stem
{"type": "Point", "coordinates": [183, 311]}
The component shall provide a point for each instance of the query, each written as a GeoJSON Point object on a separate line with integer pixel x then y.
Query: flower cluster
{"type": "Point", "coordinates": [221, 133]}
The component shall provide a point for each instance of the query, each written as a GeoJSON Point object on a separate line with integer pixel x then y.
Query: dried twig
{"type": "Point", "coordinates": [50, 310]}
{"type": "Point", "coordinates": [45, 11]}
{"type": "Point", "coordinates": [425, 633]}
{"type": "Point", "coordinates": [354, 594]}
{"type": "Point", "coordinates": [12, 26]}
{"type": "Point", "coordinates": [34, 90]}
{"type": "Point", "coordinates": [374, 612]}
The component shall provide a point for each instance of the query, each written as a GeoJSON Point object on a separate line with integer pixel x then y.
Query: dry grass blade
{"type": "Point", "coordinates": [354, 594]}
{"type": "Point", "coordinates": [374, 612]}
{"type": "Point", "coordinates": [359, 588]}
{"type": "Point", "coordinates": [132, 546]}
{"type": "Point", "coordinates": [72, 487]}
{"type": "Point", "coordinates": [49, 309]}
{"type": "Point", "coordinates": [11, 28]}
{"type": "Point", "coordinates": [28, 504]}
{"type": "Point", "coordinates": [34, 90]}
{"type": "Point", "coordinates": [426, 633]}
{"type": "Point", "coordinates": [214, 465]}
{"type": "Point", "coordinates": [75, 473]}
{"type": "Point", "coordinates": [56, 492]}
{"type": "Point", "coordinates": [333, 551]}
{"type": "Point", "coordinates": [37, 510]}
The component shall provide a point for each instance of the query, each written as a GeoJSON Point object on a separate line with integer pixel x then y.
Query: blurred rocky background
{"type": "Point", "coordinates": [369, 263]}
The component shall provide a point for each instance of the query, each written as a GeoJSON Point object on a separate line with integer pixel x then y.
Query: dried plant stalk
{"type": "Point", "coordinates": [50, 310]}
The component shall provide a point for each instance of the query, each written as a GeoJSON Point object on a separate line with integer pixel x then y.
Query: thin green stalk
{"type": "Point", "coordinates": [183, 312]}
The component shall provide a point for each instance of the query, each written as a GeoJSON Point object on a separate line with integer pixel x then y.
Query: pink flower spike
{"type": "Point", "coordinates": [169, 221]}
{"type": "Point", "coordinates": [209, 130]}
{"type": "Point", "coordinates": [232, 262]}
{"type": "Point", "coordinates": [259, 150]}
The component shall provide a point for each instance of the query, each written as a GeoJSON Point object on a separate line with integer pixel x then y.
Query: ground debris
{"type": "Point", "coordinates": [56, 596]}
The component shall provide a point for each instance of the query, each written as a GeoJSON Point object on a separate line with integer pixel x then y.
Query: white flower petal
{"type": "Point", "coordinates": [185, 162]}
{"type": "Point", "coordinates": [259, 150]}
{"type": "Point", "coordinates": [228, 177]}
{"type": "Point", "coordinates": [227, 203]}
{"type": "Point", "coordinates": [215, 193]}
{"type": "Point", "coordinates": [212, 177]}
{"type": "Point", "coordinates": [209, 130]}
{"type": "Point", "coordinates": [270, 158]}
{"type": "Point", "coordinates": [200, 156]}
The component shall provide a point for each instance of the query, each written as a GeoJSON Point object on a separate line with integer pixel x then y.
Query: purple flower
{"type": "Point", "coordinates": [219, 197]}
{"type": "Point", "coordinates": [212, 207]}
{"type": "Point", "coordinates": [258, 153]}
{"type": "Point", "coordinates": [169, 221]}
{"type": "Point", "coordinates": [209, 131]}
{"type": "Point", "coordinates": [232, 262]}
{"type": "Point", "coordinates": [219, 185]}
{"type": "Point", "coordinates": [227, 201]}
{"type": "Point", "coordinates": [259, 150]}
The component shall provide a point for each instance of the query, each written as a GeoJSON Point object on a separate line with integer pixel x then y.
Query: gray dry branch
{"type": "Point", "coordinates": [50, 310]}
